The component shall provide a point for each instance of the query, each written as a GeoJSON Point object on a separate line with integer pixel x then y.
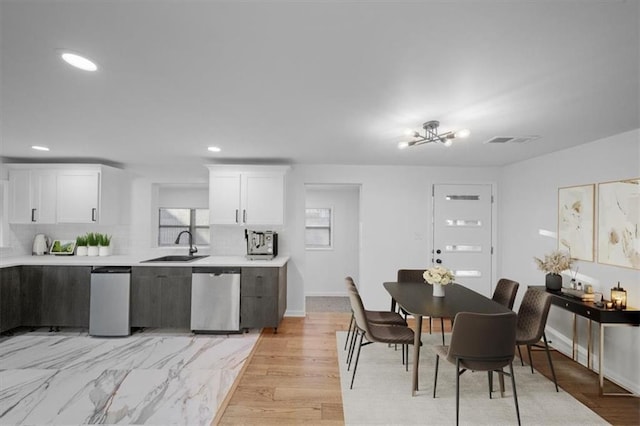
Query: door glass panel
{"type": "Point", "coordinates": [462, 198]}
{"type": "Point", "coordinates": [462, 248]}
{"type": "Point", "coordinates": [468, 274]}
{"type": "Point", "coordinates": [463, 222]}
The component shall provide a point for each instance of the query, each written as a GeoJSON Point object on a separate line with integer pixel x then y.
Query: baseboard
{"type": "Point", "coordinates": [564, 345]}
{"type": "Point", "coordinates": [326, 294]}
{"type": "Point", "coordinates": [289, 313]}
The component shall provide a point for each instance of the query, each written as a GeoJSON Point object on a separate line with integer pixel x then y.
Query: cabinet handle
{"type": "Point", "coordinates": [237, 211]}
{"type": "Point", "coordinates": [93, 214]}
{"type": "Point", "coordinates": [33, 215]}
{"type": "Point", "coordinates": [244, 215]}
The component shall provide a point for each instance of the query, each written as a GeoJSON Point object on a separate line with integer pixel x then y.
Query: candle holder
{"type": "Point", "coordinates": [619, 297]}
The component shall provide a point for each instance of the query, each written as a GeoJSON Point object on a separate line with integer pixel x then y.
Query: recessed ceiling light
{"type": "Point", "coordinates": [78, 61]}
{"type": "Point", "coordinates": [40, 148]}
{"type": "Point", "coordinates": [214, 149]}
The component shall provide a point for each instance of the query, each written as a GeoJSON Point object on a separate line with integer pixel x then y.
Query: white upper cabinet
{"type": "Point", "coordinates": [67, 193]}
{"type": "Point", "coordinates": [249, 195]}
{"type": "Point", "coordinates": [33, 196]}
{"type": "Point", "coordinates": [78, 195]}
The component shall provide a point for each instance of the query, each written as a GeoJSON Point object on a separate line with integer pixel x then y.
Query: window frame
{"type": "Point", "coordinates": [330, 227]}
{"type": "Point", "coordinates": [191, 228]}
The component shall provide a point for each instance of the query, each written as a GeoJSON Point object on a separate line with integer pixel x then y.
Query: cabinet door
{"type": "Point", "coordinates": [258, 312]}
{"type": "Point", "coordinates": [31, 296]}
{"type": "Point", "coordinates": [77, 196]}
{"type": "Point", "coordinates": [176, 298]}
{"type": "Point", "coordinates": [224, 199]}
{"type": "Point", "coordinates": [66, 295]}
{"type": "Point", "coordinates": [9, 298]}
{"type": "Point", "coordinates": [263, 199]}
{"type": "Point", "coordinates": [33, 196]}
{"type": "Point", "coordinates": [145, 297]}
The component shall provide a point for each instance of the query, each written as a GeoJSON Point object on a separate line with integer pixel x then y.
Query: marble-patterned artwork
{"type": "Point", "coordinates": [619, 223]}
{"type": "Point", "coordinates": [141, 379]}
{"type": "Point", "coordinates": [576, 221]}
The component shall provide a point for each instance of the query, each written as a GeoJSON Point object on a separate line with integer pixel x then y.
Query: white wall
{"type": "Point", "coordinates": [395, 215]}
{"type": "Point", "coordinates": [326, 269]}
{"type": "Point", "coordinates": [528, 193]}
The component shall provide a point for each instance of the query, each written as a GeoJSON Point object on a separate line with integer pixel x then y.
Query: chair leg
{"type": "Point", "coordinates": [442, 329]}
{"type": "Point", "coordinates": [530, 359]}
{"type": "Point", "coordinates": [355, 367]}
{"type": "Point", "coordinates": [515, 394]}
{"type": "Point", "coordinates": [406, 357]}
{"type": "Point", "coordinates": [553, 372]}
{"type": "Point", "coordinates": [402, 353]}
{"type": "Point", "coordinates": [430, 324]}
{"type": "Point", "coordinates": [520, 355]}
{"type": "Point", "coordinates": [354, 339]}
{"type": "Point", "coordinates": [457, 391]}
{"type": "Point", "coordinates": [348, 332]}
{"type": "Point", "coordinates": [435, 376]}
{"type": "Point", "coordinates": [490, 374]}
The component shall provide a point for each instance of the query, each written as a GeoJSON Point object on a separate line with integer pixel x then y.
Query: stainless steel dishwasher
{"type": "Point", "coordinates": [215, 299]}
{"type": "Point", "coordinates": [109, 301]}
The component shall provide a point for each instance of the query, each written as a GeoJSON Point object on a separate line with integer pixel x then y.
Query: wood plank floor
{"type": "Point", "coordinates": [293, 378]}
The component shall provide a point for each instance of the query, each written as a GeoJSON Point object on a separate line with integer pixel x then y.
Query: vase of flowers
{"type": "Point", "coordinates": [438, 277]}
{"type": "Point", "coordinates": [553, 264]}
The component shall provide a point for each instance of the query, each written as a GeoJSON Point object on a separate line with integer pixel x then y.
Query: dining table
{"type": "Point", "coordinates": [417, 299]}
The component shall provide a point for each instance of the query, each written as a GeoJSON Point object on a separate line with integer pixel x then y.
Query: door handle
{"type": "Point", "coordinates": [244, 215]}
{"type": "Point", "coordinates": [237, 211]}
{"type": "Point", "coordinates": [438, 251]}
{"type": "Point", "coordinates": [33, 215]}
{"type": "Point", "coordinates": [438, 261]}
{"type": "Point", "coordinates": [93, 214]}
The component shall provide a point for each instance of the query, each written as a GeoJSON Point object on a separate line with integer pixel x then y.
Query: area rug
{"type": "Point", "coordinates": [148, 378]}
{"type": "Point", "coordinates": [381, 393]}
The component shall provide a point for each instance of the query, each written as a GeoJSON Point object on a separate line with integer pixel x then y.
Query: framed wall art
{"type": "Point", "coordinates": [619, 223]}
{"type": "Point", "coordinates": [576, 208]}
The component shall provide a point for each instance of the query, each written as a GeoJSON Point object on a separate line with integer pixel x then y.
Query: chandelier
{"type": "Point", "coordinates": [431, 135]}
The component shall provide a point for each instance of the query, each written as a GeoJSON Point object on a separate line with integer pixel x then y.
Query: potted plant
{"type": "Point", "coordinates": [553, 264]}
{"type": "Point", "coordinates": [104, 243]}
{"type": "Point", "coordinates": [81, 245]}
{"type": "Point", "coordinates": [438, 277]}
{"type": "Point", "coordinates": [92, 242]}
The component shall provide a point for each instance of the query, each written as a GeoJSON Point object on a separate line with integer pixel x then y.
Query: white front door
{"type": "Point", "coordinates": [462, 233]}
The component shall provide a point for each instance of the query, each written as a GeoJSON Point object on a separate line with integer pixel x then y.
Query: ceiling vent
{"type": "Point", "coordinates": [512, 139]}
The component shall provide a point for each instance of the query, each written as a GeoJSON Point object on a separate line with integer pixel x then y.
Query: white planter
{"type": "Point", "coordinates": [93, 251]}
{"type": "Point", "coordinates": [105, 250]}
{"type": "Point", "coordinates": [82, 250]}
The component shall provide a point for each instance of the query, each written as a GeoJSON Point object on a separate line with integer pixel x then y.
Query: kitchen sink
{"type": "Point", "coordinates": [174, 258]}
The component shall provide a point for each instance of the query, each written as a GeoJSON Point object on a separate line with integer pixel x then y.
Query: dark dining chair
{"type": "Point", "coordinates": [374, 317]}
{"type": "Point", "coordinates": [375, 333]}
{"type": "Point", "coordinates": [532, 319]}
{"type": "Point", "coordinates": [505, 292]}
{"type": "Point", "coordinates": [415, 276]}
{"type": "Point", "coordinates": [480, 342]}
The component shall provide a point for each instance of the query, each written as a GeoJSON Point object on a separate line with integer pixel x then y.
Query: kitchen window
{"type": "Point", "coordinates": [319, 228]}
{"type": "Point", "coordinates": [175, 220]}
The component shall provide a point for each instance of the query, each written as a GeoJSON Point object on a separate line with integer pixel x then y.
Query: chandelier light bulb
{"type": "Point", "coordinates": [463, 133]}
{"type": "Point", "coordinates": [403, 145]}
{"type": "Point", "coordinates": [447, 142]}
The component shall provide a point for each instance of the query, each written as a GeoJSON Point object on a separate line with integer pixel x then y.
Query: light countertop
{"type": "Point", "coordinates": [132, 260]}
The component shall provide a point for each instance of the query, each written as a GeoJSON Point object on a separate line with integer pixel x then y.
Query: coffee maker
{"type": "Point", "coordinates": [261, 244]}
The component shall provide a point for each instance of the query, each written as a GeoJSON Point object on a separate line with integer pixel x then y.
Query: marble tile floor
{"type": "Point", "coordinates": [157, 377]}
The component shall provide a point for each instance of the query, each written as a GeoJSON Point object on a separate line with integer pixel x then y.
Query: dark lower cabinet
{"type": "Point", "coordinates": [10, 309]}
{"type": "Point", "coordinates": [55, 296]}
{"type": "Point", "coordinates": [160, 297]}
{"type": "Point", "coordinates": [263, 299]}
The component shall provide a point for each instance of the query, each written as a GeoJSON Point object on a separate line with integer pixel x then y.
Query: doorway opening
{"type": "Point", "coordinates": [332, 245]}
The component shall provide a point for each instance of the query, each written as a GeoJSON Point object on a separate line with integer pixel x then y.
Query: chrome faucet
{"type": "Point", "coordinates": [192, 249]}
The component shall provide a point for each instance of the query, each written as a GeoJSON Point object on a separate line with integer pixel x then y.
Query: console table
{"type": "Point", "coordinates": [604, 317]}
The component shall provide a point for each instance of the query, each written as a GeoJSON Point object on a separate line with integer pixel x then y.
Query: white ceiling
{"type": "Point", "coordinates": [315, 81]}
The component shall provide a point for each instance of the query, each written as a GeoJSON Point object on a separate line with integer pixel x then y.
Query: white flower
{"type": "Point", "coordinates": [438, 275]}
